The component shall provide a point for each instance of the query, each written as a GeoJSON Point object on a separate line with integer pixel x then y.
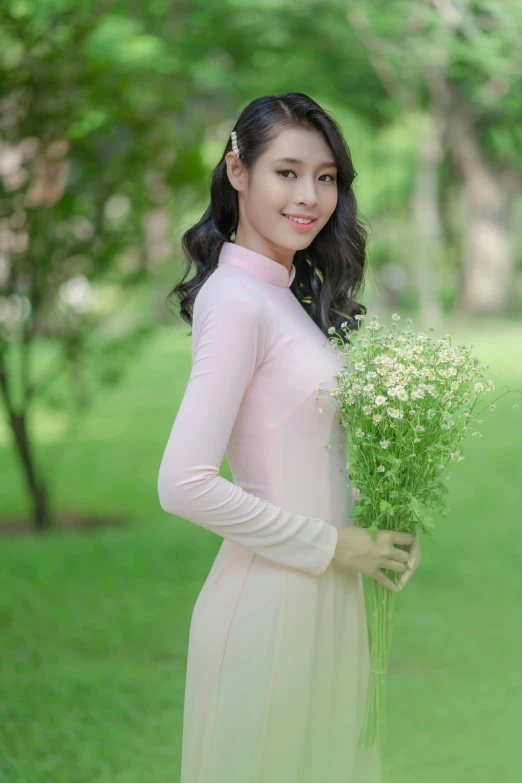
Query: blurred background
{"type": "Point", "coordinates": [113, 115]}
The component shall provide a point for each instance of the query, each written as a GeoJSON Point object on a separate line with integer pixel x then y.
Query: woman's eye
{"type": "Point", "coordinates": [289, 171]}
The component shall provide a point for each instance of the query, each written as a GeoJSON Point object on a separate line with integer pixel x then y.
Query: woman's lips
{"type": "Point", "coordinates": [299, 226]}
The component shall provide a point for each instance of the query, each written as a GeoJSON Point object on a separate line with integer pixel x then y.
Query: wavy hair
{"type": "Point", "coordinates": [330, 271]}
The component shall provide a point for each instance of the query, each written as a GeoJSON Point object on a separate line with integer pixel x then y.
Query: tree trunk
{"type": "Point", "coordinates": [488, 258]}
{"type": "Point", "coordinates": [488, 192]}
{"type": "Point", "coordinates": [38, 491]}
{"type": "Point", "coordinates": [427, 222]}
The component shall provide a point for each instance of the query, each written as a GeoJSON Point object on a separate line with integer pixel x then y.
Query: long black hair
{"type": "Point", "coordinates": [330, 271]}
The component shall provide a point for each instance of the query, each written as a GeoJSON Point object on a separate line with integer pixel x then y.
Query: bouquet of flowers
{"type": "Point", "coordinates": [406, 402]}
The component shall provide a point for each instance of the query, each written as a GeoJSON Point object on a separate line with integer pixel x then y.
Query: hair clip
{"type": "Point", "coordinates": [235, 148]}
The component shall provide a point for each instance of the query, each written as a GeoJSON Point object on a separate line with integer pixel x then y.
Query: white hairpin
{"type": "Point", "coordinates": [235, 148]}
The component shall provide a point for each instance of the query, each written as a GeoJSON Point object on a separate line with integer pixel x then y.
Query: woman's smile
{"type": "Point", "coordinates": [300, 223]}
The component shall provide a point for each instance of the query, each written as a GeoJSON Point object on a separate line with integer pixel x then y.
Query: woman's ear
{"type": "Point", "coordinates": [235, 171]}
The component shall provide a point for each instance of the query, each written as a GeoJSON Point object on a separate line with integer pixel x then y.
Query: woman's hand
{"type": "Point", "coordinates": [357, 550]}
{"type": "Point", "coordinates": [413, 563]}
{"type": "Point", "coordinates": [414, 555]}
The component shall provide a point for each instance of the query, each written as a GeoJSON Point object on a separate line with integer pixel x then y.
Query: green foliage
{"type": "Point", "coordinates": [114, 112]}
{"type": "Point", "coordinates": [93, 148]}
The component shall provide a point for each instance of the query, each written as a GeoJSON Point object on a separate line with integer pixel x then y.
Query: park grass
{"type": "Point", "coordinates": [94, 626]}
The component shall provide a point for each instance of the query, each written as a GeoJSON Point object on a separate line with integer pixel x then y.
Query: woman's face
{"type": "Point", "coordinates": [276, 188]}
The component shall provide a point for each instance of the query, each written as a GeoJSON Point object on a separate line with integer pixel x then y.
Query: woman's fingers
{"type": "Point", "coordinates": [402, 581]}
{"type": "Point", "coordinates": [380, 577]}
{"type": "Point", "coordinates": [412, 565]}
{"type": "Point", "coordinates": [400, 554]}
{"type": "Point", "coordinates": [394, 565]}
{"type": "Point", "coordinates": [405, 577]}
{"type": "Point", "coordinates": [415, 555]}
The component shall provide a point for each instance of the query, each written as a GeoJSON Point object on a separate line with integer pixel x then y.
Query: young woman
{"type": "Point", "coordinates": [278, 655]}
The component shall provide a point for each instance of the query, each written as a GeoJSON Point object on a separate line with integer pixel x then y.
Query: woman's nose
{"type": "Point", "coordinates": [306, 192]}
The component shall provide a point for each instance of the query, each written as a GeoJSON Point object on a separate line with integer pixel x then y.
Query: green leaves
{"type": "Point", "coordinates": [386, 508]}
{"type": "Point", "coordinates": [421, 517]}
{"type": "Point", "coordinates": [415, 508]}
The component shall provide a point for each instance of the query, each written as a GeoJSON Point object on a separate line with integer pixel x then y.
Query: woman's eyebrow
{"type": "Point", "coordinates": [327, 164]}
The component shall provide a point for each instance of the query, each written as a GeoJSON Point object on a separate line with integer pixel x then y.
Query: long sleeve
{"type": "Point", "coordinates": [230, 339]}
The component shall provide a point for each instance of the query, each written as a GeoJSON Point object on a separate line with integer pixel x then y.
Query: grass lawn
{"type": "Point", "coordinates": [94, 626]}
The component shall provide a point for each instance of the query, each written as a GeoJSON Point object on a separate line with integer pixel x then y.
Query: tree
{"type": "Point", "coordinates": [86, 151]}
{"type": "Point", "coordinates": [460, 64]}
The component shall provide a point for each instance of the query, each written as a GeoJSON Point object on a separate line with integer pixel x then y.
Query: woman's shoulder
{"type": "Point", "coordinates": [228, 305]}
{"type": "Point", "coordinates": [231, 290]}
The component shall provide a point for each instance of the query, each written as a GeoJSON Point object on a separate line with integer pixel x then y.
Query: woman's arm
{"type": "Point", "coordinates": [231, 336]}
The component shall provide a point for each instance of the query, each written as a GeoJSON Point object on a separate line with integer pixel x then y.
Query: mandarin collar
{"type": "Point", "coordinates": [262, 266]}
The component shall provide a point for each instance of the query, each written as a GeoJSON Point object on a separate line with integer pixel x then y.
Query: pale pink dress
{"type": "Point", "coordinates": [278, 654]}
